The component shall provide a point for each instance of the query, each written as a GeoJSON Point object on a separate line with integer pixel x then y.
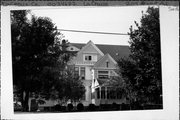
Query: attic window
{"type": "Point", "coordinates": [89, 58]}
{"type": "Point", "coordinates": [107, 64]}
{"type": "Point", "coordinates": [72, 49]}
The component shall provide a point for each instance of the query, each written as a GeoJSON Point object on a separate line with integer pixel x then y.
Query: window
{"type": "Point", "coordinates": [82, 73]}
{"type": "Point", "coordinates": [83, 97]}
{"type": "Point", "coordinates": [93, 95]}
{"type": "Point", "coordinates": [103, 92]}
{"type": "Point", "coordinates": [103, 74]}
{"type": "Point", "coordinates": [98, 93]}
{"type": "Point", "coordinates": [107, 64]}
{"type": "Point", "coordinates": [111, 93]}
{"type": "Point", "coordinates": [76, 71]}
{"type": "Point", "coordinates": [108, 92]}
{"type": "Point", "coordinates": [119, 94]}
{"type": "Point", "coordinates": [88, 57]}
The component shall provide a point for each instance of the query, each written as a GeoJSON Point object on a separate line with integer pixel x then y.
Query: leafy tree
{"type": "Point", "coordinates": [39, 57]}
{"type": "Point", "coordinates": [142, 70]}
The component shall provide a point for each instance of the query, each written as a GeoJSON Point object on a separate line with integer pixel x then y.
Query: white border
{"type": "Point", "coordinates": [170, 68]}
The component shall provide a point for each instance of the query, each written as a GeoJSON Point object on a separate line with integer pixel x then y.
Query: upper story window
{"type": "Point", "coordinates": [88, 57]}
{"type": "Point", "coordinates": [103, 74]}
{"type": "Point", "coordinates": [107, 64]}
{"type": "Point", "coordinates": [82, 73]}
{"type": "Point", "coordinates": [76, 71]}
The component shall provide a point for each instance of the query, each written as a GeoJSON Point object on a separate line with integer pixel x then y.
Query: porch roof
{"type": "Point", "coordinates": [103, 82]}
{"type": "Point", "coordinates": [106, 82]}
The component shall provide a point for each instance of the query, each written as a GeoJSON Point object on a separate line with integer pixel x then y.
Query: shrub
{"type": "Point", "coordinates": [91, 107]}
{"type": "Point", "coordinates": [34, 105]}
{"type": "Point", "coordinates": [70, 107]}
{"type": "Point", "coordinates": [115, 106]}
{"type": "Point", "coordinates": [57, 107]}
{"type": "Point", "coordinates": [80, 107]}
{"type": "Point", "coordinates": [123, 106]}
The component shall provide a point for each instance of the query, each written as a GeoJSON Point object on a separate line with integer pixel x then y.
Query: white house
{"type": "Point", "coordinates": [96, 64]}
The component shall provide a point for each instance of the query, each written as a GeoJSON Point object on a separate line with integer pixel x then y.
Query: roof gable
{"type": "Point", "coordinates": [90, 47]}
{"type": "Point", "coordinates": [106, 62]}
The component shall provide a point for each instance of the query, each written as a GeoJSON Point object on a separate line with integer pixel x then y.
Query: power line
{"type": "Point", "coordinates": [92, 32]}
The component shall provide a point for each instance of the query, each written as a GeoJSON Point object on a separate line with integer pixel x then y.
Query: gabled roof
{"type": "Point", "coordinates": [94, 46]}
{"type": "Point", "coordinates": [103, 59]}
{"type": "Point", "coordinates": [115, 51]}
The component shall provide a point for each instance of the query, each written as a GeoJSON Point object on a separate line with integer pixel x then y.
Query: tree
{"type": "Point", "coordinates": [142, 70]}
{"type": "Point", "coordinates": [71, 87]}
{"type": "Point", "coordinates": [39, 57]}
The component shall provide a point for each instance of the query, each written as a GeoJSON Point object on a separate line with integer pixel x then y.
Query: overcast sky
{"type": "Point", "coordinates": [97, 19]}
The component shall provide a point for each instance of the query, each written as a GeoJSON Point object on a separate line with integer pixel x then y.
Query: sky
{"type": "Point", "coordinates": [96, 19]}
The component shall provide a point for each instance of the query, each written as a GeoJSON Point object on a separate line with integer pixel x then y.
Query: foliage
{"type": "Point", "coordinates": [39, 59]}
{"type": "Point", "coordinates": [92, 107]}
{"type": "Point", "coordinates": [71, 87]}
{"type": "Point", "coordinates": [80, 107]}
{"type": "Point", "coordinates": [70, 107]}
{"type": "Point", "coordinates": [57, 107]}
{"type": "Point", "coordinates": [142, 70]}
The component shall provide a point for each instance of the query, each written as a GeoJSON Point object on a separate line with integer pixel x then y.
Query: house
{"type": "Point", "coordinates": [96, 64]}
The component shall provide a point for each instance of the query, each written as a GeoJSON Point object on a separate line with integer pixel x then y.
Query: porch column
{"type": "Point", "coordinates": [100, 93]}
{"type": "Point", "coordinates": [106, 93]}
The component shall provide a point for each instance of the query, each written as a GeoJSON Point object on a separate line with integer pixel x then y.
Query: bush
{"type": "Point", "coordinates": [153, 106]}
{"type": "Point", "coordinates": [80, 107]}
{"type": "Point", "coordinates": [17, 107]}
{"type": "Point", "coordinates": [105, 107]}
{"type": "Point", "coordinates": [115, 106]}
{"type": "Point", "coordinates": [34, 105]}
{"type": "Point", "coordinates": [57, 107]}
{"type": "Point", "coordinates": [136, 106]}
{"type": "Point", "coordinates": [70, 107]}
{"type": "Point", "coordinates": [125, 106]}
{"type": "Point", "coordinates": [92, 107]}
{"type": "Point", "coordinates": [63, 108]}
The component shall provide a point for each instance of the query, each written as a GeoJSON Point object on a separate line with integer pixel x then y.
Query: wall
{"type": "Point", "coordinates": [88, 75]}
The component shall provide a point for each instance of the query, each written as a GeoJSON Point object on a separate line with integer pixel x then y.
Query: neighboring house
{"type": "Point", "coordinates": [96, 64]}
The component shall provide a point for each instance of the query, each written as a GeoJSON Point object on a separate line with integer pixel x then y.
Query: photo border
{"type": "Point", "coordinates": [170, 74]}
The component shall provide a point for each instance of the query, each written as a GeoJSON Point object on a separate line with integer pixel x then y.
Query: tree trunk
{"type": "Point", "coordinates": [25, 99]}
{"type": "Point", "coordinates": [130, 103]}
